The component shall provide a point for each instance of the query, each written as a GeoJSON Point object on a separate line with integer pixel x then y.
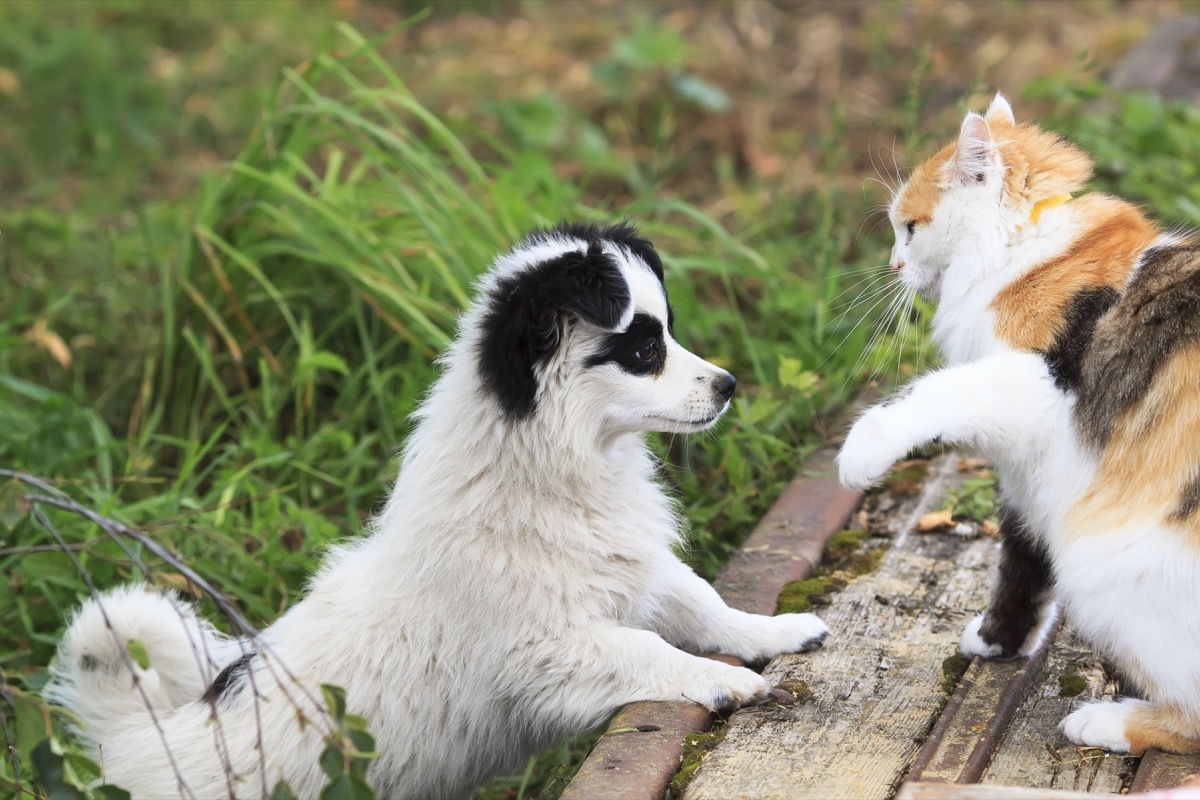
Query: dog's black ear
{"type": "Point", "coordinates": [521, 323]}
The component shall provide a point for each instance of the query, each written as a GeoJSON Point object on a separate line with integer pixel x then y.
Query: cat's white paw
{"type": "Point", "coordinates": [1100, 725]}
{"type": "Point", "coordinates": [871, 447]}
{"type": "Point", "coordinates": [972, 644]}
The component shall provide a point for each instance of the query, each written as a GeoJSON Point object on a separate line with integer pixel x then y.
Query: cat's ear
{"type": "Point", "coordinates": [1000, 112]}
{"type": "Point", "coordinates": [977, 155]}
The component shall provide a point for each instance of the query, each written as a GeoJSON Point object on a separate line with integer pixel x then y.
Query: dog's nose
{"type": "Point", "coordinates": [725, 386]}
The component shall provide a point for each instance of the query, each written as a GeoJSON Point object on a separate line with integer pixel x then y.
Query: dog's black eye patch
{"type": "Point", "coordinates": [521, 326]}
{"type": "Point", "coordinates": [639, 350]}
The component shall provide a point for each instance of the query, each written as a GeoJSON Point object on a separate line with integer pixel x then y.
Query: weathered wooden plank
{"type": "Point", "coordinates": [787, 543]}
{"type": "Point", "coordinates": [1034, 753]}
{"type": "Point", "coordinates": [639, 753]}
{"type": "Point", "coordinates": [876, 684]}
{"type": "Point", "coordinates": [1160, 770]}
{"type": "Point", "coordinates": [639, 764]}
{"type": "Point", "coordinates": [958, 791]}
{"type": "Point", "coordinates": [969, 730]}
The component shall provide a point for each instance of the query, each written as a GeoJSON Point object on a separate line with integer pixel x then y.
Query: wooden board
{"type": "Point", "coordinates": [877, 682]}
{"type": "Point", "coordinates": [1033, 753]}
{"type": "Point", "coordinates": [958, 791]}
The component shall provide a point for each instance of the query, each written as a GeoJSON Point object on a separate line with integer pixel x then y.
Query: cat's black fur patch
{"type": "Point", "coordinates": [227, 681]}
{"type": "Point", "coordinates": [622, 348]}
{"type": "Point", "coordinates": [1189, 501]}
{"type": "Point", "coordinates": [522, 324]}
{"type": "Point", "coordinates": [1023, 587]}
{"type": "Point", "coordinates": [1157, 315]}
{"type": "Point", "coordinates": [1065, 356]}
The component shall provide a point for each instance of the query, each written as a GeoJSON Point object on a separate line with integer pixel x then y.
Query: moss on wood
{"type": "Point", "coordinates": [695, 747]}
{"type": "Point", "coordinates": [1071, 685]}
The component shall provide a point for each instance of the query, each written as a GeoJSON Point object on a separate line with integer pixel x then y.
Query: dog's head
{"type": "Point", "coordinates": [574, 321]}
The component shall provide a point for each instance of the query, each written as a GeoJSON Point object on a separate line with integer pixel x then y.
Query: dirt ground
{"type": "Point", "coordinates": [800, 75]}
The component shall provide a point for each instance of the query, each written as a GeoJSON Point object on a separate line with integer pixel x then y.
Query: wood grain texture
{"type": "Point", "coordinates": [958, 791]}
{"type": "Point", "coordinates": [877, 682]}
{"type": "Point", "coordinates": [1034, 754]}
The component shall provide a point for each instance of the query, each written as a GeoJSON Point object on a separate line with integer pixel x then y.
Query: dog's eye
{"type": "Point", "coordinates": [647, 352]}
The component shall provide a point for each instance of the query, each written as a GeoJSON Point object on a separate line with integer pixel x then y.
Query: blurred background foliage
{"type": "Point", "coordinates": [234, 236]}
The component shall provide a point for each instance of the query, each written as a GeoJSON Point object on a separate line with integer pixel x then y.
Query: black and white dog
{"type": "Point", "coordinates": [519, 585]}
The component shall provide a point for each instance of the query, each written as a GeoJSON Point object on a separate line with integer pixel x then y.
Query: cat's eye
{"type": "Point", "coordinates": [912, 228]}
{"type": "Point", "coordinates": [647, 351]}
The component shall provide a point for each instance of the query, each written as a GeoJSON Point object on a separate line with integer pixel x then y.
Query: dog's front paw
{"type": "Point", "coordinates": [1100, 725]}
{"type": "Point", "coordinates": [730, 688]}
{"type": "Point", "coordinates": [800, 633]}
{"type": "Point", "coordinates": [745, 687]}
{"type": "Point", "coordinates": [786, 633]}
{"type": "Point", "coordinates": [869, 451]}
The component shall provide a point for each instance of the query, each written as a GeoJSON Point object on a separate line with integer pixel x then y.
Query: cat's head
{"type": "Point", "coordinates": [968, 202]}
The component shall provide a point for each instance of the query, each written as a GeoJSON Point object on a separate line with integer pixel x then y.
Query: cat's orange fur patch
{"type": "Point", "coordinates": [1161, 728]}
{"type": "Point", "coordinates": [1149, 434]}
{"type": "Point", "coordinates": [1037, 165]}
{"type": "Point", "coordinates": [1029, 311]}
{"type": "Point", "coordinates": [924, 187]}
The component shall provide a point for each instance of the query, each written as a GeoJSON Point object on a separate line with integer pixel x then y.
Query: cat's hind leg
{"type": "Point", "coordinates": [1132, 726]}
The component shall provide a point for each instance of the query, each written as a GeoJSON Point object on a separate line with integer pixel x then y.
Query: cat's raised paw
{"type": "Point", "coordinates": [869, 451]}
{"type": "Point", "coordinates": [1100, 725]}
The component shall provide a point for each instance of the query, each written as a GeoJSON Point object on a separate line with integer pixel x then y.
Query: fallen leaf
{"type": "Point", "coordinates": [971, 463]}
{"type": "Point", "coordinates": [936, 519]}
{"type": "Point", "coordinates": [41, 335]}
{"type": "Point", "coordinates": [989, 528]}
{"type": "Point", "coordinates": [10, 84]}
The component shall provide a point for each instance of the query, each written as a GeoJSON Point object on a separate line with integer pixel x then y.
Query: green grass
{"type": "Point", "coordinates": [251, 232]}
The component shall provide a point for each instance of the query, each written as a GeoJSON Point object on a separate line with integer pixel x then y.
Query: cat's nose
{"type": "Point", "coordinates": [896, 266]}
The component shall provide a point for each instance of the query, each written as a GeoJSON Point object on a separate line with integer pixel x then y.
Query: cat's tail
{"type": "Point", "coordinates": [131, 651]}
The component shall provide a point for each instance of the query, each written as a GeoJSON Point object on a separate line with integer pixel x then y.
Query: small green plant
{"type": "Point", "coordinates": [975, 500]}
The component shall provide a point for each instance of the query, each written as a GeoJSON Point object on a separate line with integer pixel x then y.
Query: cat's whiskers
{"type": "Point", "coordinates": [870, 293]}
{"type": "Point", "coordinates": [879, 298]}
{"type": "Point", "coordinates": [894, 296]}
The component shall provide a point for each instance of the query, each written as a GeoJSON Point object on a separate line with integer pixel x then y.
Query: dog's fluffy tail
{"type": "Point", "coordinates": [132, 650]}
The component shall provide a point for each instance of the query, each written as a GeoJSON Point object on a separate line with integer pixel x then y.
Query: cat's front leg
{"type": "Point", "coordinates": [1006, 405]}
{"type": "Point", "coordinates": [1022, 611]}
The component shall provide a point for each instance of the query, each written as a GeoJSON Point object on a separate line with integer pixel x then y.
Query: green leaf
{"type": "Point", "coordinates": [348, 787]}
{"type": "Point", "coordinates": [110, 792]}
{"type": "Point", "coordinates": [696, 90]}
{"type": "Point", "coordinates": [335, 700]}
{"type": "Point", "coordinates": [50, 772]}
{"type": "Point", "coordinates": [282, 792]}
{"type": "Point", "coordinates": [323, 359]}
{"type": "Point", "coordinates": [13, 505]}
{"type": "Point", "coordinates": [137, 652]}
{"type": "Point", "coordinates": [333, 763]}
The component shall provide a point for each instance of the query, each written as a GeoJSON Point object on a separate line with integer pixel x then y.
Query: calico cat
{"type": "Point", "coordinates": [1071, 328]}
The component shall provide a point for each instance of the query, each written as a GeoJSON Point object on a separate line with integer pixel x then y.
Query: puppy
{"type": "Point", "coordinates": [519, 585]}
